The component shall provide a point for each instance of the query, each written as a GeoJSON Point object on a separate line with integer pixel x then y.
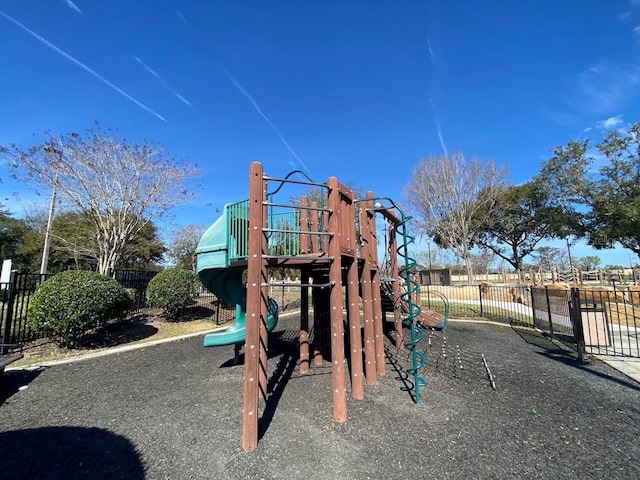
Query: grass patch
{"type": "Point", "coordinates": [138, 330]}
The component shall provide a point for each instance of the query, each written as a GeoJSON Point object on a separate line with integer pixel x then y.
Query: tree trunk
{"type": "Point", "coordinates": [469, 265]}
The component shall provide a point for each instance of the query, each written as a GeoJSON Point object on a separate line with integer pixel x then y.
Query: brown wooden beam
{"type": "Point", "coordinates": [304, 322]}
{"type": "Point", "coordinates": [337, 327]}
{"type": "Point", "coordinates": [367, 300]}
{"type": "Point", "coordinates": [376, 301]}
{"type": "Point", "coordinates": [395, 286]}
{"type": "Point", "coordinates": [304, 225]}
{"type": "Point", "coordinates": [355, 332]}
{"type": "Point", "coordinates": [257, 246]}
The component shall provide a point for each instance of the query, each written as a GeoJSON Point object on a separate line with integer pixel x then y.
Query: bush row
{"type": "Point", "coordinates": [72, 303]}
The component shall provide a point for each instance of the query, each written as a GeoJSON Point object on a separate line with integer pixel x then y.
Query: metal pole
{"type": "Point", "coordinates": [47, 236]}
{"type": "Point", "coordinates": [570, 260]}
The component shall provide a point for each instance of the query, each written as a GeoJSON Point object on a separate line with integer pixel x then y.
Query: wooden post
{"type": "Point", "coordinates": [304, 322]}
{"type": "Point", "coordinates": [304, 225]}
{"type": "Point", "coordinates": [376, 302]}
{"type": "Point", "coordinates": [367, 300]}
{"type": "Point", "coordinates": [304, 291]}
{"type": "Point", "coordinates": [320, 307]}
{"type": "Point", "coordinates": [355, 333]}
{"type": "Point", "coordinates": [337, 328]}
{"type": "Point", "coordinates": [315, 221]}
{"type": "Point", "coordinates": [255, 273]}
{"type": "Point", "coordinates": [395, 275]}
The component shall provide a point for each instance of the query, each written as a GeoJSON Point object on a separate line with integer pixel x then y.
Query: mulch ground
{"type": "Point", "coordinates": [174, 411]}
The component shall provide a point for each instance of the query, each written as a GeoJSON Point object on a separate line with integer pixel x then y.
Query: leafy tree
{"type": "Point", "coordinates": [182, 246]}
{"type": "Point", "coordinates": [599, 192]}
{"type": "Point", "coordinates": [11, 233]}
{"type": "Point", "coordinates": [615, 215]}
{"type": "Point", "coordinates": [520, 218]}
{"type": "Point", "coordinates": [74, 245]}
{"type": "Point", "coordinates": [16, 239]}
{"type": "Point", "coordinates": [451, 196]}
{"type": "Point", "coordinates": [119, 185]}
{"type": "Point", "coordinates": [590, 262]}
{"type": "Point", "coordinates": [549, 258]}
{"type": "Point", "coordinates": [144, 251]}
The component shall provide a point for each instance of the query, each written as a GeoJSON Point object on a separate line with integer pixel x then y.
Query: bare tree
{"type": "Point", "coordinates": [483, 260]}
{"type": "Point", "coordinates": [119, 185]}
{"type": "Point", "coordinates": [444, 192]}
{"type": "Point", "coordinates": [182, 245]}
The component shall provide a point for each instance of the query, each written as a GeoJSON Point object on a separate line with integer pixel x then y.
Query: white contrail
{"type": "Point", "coordinates": [432, 59]}
{"type": "Point", "coordinates": [82, 65]}
{"type": "Point", "coordinates": [255, 105]}
{"type": "Point", "coordinates": [163, 81]}
{"type": "Point", "coordinates": [182, 99]}
{"type": "Point", "coordinates": [438, 129]}
{"type": "Point", "coordinates": [181, 17]}
{"type": "Point", "coordinates": [73, 6]}
{"type": "Point", "coordinates": [431, 54]}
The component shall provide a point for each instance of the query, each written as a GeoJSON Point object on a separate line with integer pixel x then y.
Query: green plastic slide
{"type": "Point", "coordinates": [216, 274]}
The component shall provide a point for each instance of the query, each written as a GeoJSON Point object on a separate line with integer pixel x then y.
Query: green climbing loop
{"type": "Point", "coordinates": [413, 310]}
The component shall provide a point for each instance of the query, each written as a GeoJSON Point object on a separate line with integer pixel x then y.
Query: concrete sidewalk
{"type": "Point", "coordinates": [627, 365]}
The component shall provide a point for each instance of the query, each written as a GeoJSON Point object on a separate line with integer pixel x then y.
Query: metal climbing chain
{"type": "Point", "coordinates": [413, 309]}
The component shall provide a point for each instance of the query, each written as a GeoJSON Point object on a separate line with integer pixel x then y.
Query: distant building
{"type": "Point", "coordinates": [439, 276]}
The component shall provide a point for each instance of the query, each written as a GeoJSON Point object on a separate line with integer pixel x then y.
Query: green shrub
{"type": "Point", "coordinates": [172, 290]}
{"type": "Point", "coordinates": [71, 303]}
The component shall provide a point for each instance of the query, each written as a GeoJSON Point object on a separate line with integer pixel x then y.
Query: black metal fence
{"type": "Point", "coordinates": [135, 280]}
{"type": "Point", "coordinates": [592, 320]}
{"type": "Point", "coordinates": [597, 320]}
{"type": "Point", "coordinates": [14, 302]}
{"type": "Point", "coordinates": [16, 294]}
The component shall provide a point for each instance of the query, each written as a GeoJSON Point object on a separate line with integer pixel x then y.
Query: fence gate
{"type": "Point", "coordinates": [598, 322]}
{"type": "Point", "coordinates": [551, 313]}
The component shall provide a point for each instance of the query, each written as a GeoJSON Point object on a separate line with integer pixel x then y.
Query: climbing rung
{"type": "Point", "coordinates": [302, 256]}
{"type": "Point", "coordinates": [299, 182]}
{"type": "Point", "coordinates": [297, 207]}
{"type": "Point", "coordinates": [280, 230]}
{"type": "Point", "coordinates": [312, 285]}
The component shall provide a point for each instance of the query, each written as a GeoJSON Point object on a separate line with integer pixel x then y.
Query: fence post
{"type": "Point", "coordinates": [11, 292]}
{"type": "Point", "coordinates": [480, 297]}
{"type": "Point", "coordinates": [576, 319]}
{"type": "Point", "coordinates": [546, 293]}
{"type": "Point", "coordinates": [533, 306]}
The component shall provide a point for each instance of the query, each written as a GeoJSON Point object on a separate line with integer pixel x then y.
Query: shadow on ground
{"type": "Point", "coordinates": [68, 453]}
{"type": "Point", "coordinates": [552, 351]}
{"type": "Point", "coordinates": [13, 381]}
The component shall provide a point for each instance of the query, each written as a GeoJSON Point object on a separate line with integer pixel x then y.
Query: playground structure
{"type": "Point", "coordinates": [333, 242]}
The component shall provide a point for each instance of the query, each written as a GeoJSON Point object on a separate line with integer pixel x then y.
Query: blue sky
{"type": "Point", "coordinates": [353, 89]}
